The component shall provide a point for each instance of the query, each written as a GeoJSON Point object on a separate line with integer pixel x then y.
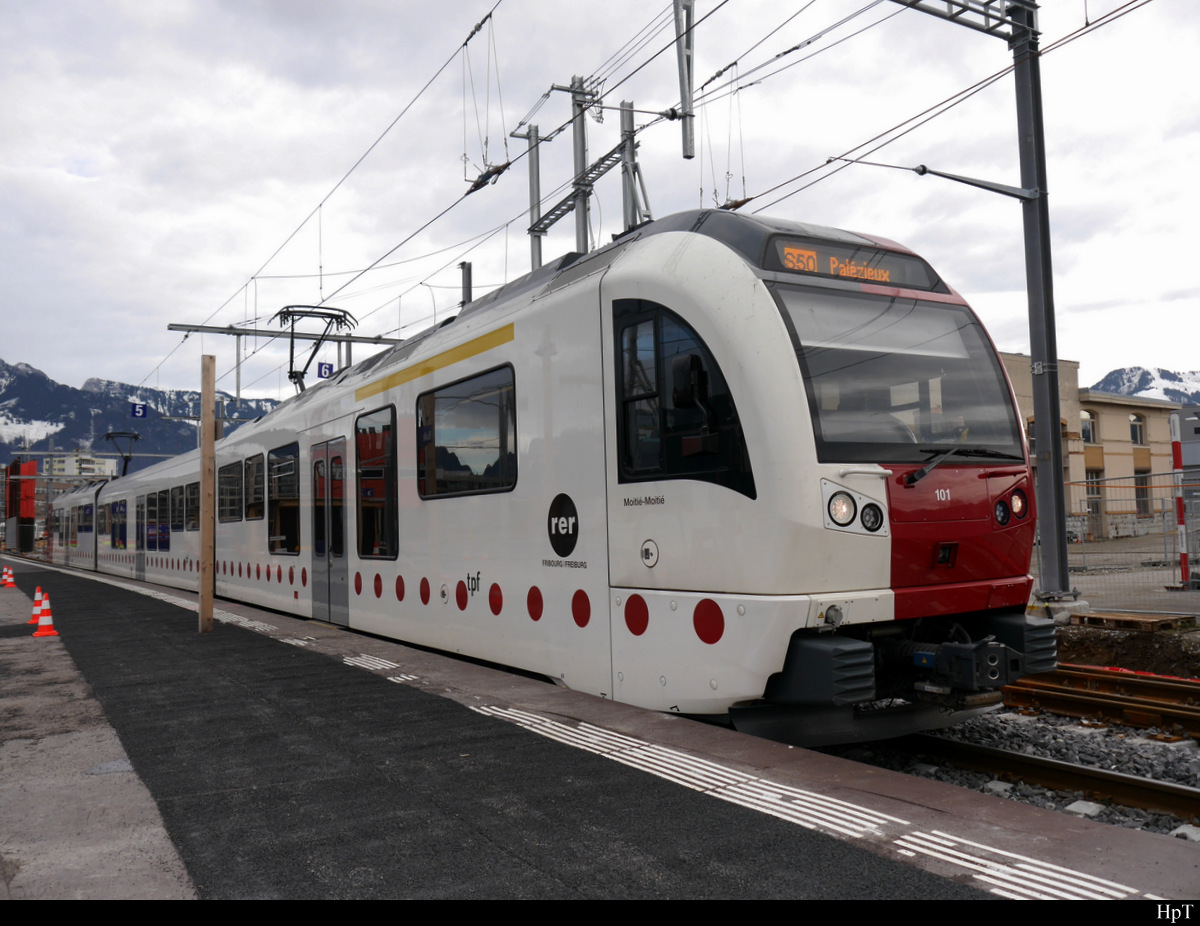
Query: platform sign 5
{"type": "Point", "coordinates": [137, 409]}
{"type": "Point", "coordinates": [324, 370]}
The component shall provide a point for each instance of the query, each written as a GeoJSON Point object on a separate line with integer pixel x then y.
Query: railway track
{"type": "Point", "coordinates": [1113, 695]}
{"type": "Point", "coordinates": [1096, 783]}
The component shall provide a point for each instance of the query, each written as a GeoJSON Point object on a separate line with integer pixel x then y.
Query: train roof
{"type": "Point", "coordinates": [749, 236]}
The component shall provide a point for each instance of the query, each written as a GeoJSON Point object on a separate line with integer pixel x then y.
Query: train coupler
{"type": "Point", "coordinates": [975, 666]}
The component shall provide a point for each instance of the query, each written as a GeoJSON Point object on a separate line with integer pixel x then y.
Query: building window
{"type": "Point", "coordinates": [1095, 502]}
{"type": "Point", "coordinates": [1137, 430]}
{"type": "Point", "coordinates": [1141, 493]}
{"type": "Point", "coordinates": [1089, 428]}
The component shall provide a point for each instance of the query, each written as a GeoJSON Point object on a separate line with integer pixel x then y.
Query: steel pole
{"type": "Point", "coordinates": [1043, 342]}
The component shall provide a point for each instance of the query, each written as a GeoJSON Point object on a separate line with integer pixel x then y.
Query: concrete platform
{"type": "Point", "coordinates": [292, 759]}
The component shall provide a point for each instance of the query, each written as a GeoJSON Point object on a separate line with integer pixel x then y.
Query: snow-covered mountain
{"type": "Point", "coordinates": [1153, 383]}
{"type": "Point", "coordinates": [35, 411]}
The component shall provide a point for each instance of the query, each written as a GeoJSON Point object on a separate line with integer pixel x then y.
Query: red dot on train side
{"type": "Point", "coordinates": [708, 621]}
{"type": "Point", "coordinates": [257, 571]}
{"type": "Point", "coordinates": [460, 595]}
{"type": "Point", "coordinates": [268, 573]}
{"type": "Point", "coordinates": [581, 608]}
{"type": "Point", "coordinates": [378, 585]}
{"type": "Point", "coordinates": [278, 573]}
{"type": "Point", "coordinates": [495, 599]}
{"type": "Point", "coordinates": [637, 615]}
{"type": "Point", "coordinates": [399, 588]}
{"type": "Point", "coordinates": [303, 577]}
{"type": "Point", "coordinates": [358, 583]}
{"type": "Point", "coordinates": [533, 601]}
{"type": "Point", "coordinates": [239, 570]}
{"type": "Point", "coordinates": [291, 575]}
{"type": "Point", "coordinates": [424, 591]}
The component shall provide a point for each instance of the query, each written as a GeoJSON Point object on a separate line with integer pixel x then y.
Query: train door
{"type": "Point", "coordinates": [139, 555]}
{"type": "Point", "coordinates": [331, 587]}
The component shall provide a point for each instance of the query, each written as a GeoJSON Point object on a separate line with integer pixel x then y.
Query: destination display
{"type": "Point", "coordinates": [851, 262]}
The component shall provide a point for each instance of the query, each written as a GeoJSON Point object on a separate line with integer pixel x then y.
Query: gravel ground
{"type": "Point", "coordinates": [1164, 653]}
{"type": "Point", "coordinates": [1111, 747]}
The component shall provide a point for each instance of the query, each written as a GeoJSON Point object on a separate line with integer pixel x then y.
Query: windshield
{"type": "Point", "coordinates": [894, 379]}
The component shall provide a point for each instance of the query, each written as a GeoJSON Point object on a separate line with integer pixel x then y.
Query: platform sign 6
{"type": "Point", "coordinates": [324, 370]}
{"type": "Point", "coordinates": [137, 410]}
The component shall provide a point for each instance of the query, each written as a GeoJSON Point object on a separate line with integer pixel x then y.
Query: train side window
{"type": "Point", "coordinates": [375, 455]}
{"type": "Point", "coordinates": [164, 521]}
{"type": "Point", "coordinates": [191, 503]}
{"type": "Point", "coordinates": [283, 499]}
{"type": "Point", "coordinates": [118, 525]}
{"type": "Point", "coordinates": [677, 418]}
{"type": "Point", "coordinates": [152, 521]}
{"type": "Point", "coordinates": [101, 520]}
{"type": "Point", "coordinates": [177, 517]}
{"type": "Point", "coordinates": [229, 492]}
{"type": "Point", "coordinates": [467, 436]}
{"type": "Point", "coordinates": [254, 488]}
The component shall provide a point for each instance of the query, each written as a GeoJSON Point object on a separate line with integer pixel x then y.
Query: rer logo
{"type": "Point", "coordinates": [563, 528]}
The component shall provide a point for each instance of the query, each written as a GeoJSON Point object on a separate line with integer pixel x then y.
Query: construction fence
{"type": "Point", "coordinates": [1124, 542]}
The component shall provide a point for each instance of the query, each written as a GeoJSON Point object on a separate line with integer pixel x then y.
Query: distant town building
{"type": "Point", "coordinates": [1189, 435]}
{"type": "Point", "coordinates": [1116, 453]}
{"type": "Point", "coordinates": [80, 464]}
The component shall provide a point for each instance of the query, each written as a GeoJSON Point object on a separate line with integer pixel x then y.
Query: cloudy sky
{"type": "Point", "coordinates": [156, 157]}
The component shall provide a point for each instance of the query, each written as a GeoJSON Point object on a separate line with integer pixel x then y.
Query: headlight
{"type": "Point", "coordinates": [1001, 512]}
{"type": "Point", "coordinates": [1020, 505]}
{"type": "Point", "coordinates": [872, 517]}
{"type": "Point", "coordinates": [842, 509]}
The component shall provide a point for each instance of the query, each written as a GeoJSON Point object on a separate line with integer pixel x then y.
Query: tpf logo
{"type": "Point", "coordinates": [564, 525]}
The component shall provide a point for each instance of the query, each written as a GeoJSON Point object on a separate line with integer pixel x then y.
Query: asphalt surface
{"type": "Point", "coordinates": [280, 772]}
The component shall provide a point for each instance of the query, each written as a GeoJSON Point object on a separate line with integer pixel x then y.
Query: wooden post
{"type": "Point", "coordinates": [208, 488]}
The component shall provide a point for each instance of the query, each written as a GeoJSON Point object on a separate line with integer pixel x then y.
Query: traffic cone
{"type": "Point", "coordinates": [8, 578]}
{"type": "Point", "coordinates": [46, 621]}
{"type": "Point", "coordinates": [37, 607]}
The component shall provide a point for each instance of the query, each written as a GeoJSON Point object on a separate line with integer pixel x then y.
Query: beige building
{"type": "Point", "coordinates": [80, 464]}
{"type": "Point", "coordinates": [1116, 453]}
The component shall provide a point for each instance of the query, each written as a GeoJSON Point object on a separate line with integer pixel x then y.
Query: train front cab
{"type": "Point", "coordinates": [905, 391]}
{"type": "Point", "coordinates": [855, 528]}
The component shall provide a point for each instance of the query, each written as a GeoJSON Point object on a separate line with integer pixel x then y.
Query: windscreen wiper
{"type": "Point", "coordinates": [917, 475]}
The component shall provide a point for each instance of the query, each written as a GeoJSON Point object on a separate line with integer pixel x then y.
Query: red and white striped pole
{"type": "Point", "coordinates": [1180, 519]}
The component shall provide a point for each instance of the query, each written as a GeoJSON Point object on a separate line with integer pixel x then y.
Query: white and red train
{"type": "Point", "coordinates": [724, 466]}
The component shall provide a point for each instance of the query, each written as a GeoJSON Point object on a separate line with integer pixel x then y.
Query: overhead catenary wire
{"type": "Point", "coordinates": [923, 117]}
{"type": "Point", "coordinates": [916, 121]}
{"type": "Point", "coordinates": [357, 275]}
{"type": "Point", "coordinates": [478, 26]}
{"type": "Point", "coordinates": [937, 109]}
